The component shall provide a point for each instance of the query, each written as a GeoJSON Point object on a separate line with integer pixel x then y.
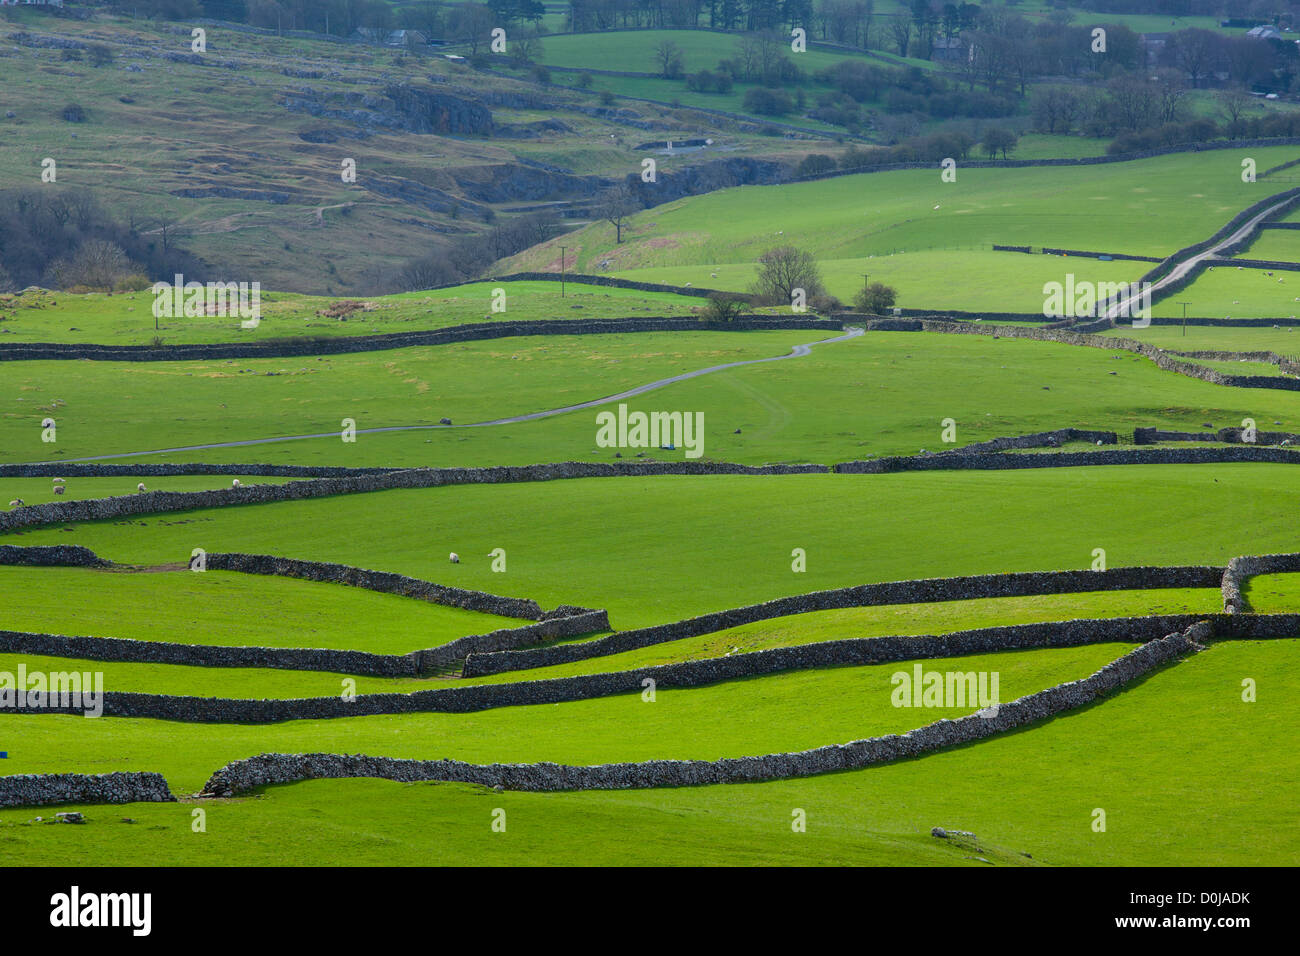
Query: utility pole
{"type": "Point", "coordinates": [562, 248]}
{"type": "Point", "coordinates": [864, 290]}
{"type": "Point", "coordinates": [1184, 305]}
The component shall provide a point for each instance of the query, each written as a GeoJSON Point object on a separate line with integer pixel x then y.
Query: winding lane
{"type": "Point", "coordinates": [797, 352]}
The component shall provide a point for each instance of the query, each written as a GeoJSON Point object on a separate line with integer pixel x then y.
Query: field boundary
{"type": "Point", "coordinates": [244, 775]}
{"type": "Point", "coordinates": [388, 341]}
{"type": "Point", "coordinates": [474, 698]}
{"type": "Point", "coordinates": [36, 789]}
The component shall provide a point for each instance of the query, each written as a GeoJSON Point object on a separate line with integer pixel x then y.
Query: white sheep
{"type": "Point", "coordinates": [235, 483]}
{"type": "Point", "coordinates": [454, 558]}
{"type": "Point", "coordinates": [140, 487]}
{"type": "Point", "coordinates": [59, 489]}
{"type": "Point", "coordinates": [58, 481]}
{"type": "Point", "coordinates": [16, 503]}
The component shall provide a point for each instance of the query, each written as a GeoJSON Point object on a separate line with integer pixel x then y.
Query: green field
{"type": "Point", "coordinates": [855, 529]}
{"type": "Point", "coordinates": [893, 390]}
{"type": "Point", "coordinates": [851, 223]}
{"type": "Point", "coordinates": [1189, 768]}
{"type": "Point", "coordinates": [128, 319]}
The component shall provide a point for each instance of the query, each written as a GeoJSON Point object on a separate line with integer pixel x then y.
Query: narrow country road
{"type": "Point", "coordinates": [1133, 303]}
{"type": "Point", "coordinates": [797, 352]}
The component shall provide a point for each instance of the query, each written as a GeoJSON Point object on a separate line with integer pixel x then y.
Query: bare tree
{"type": "Point", "coordinates": [1233, 105]}
{"type": "Point", "coordinates": [1194, 52]}
{"type": "Point", "coordinates": [1170, 91]}
{"type": "Point", "coordinates": [902, 31]}
{"type": "Point", "coordinates": [784, 269]}
{"type": "Point", "coordinates": [669, 56]}
{"type": "Point", "coordinates": [616, 206]}
{"type": "Point", "coordinates": [96, 264]}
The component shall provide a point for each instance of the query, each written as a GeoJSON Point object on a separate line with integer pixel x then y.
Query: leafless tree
{"type": "Point", "coordinates": [784, 269]}
{"type": "Point", "coordinates": [616, 206]}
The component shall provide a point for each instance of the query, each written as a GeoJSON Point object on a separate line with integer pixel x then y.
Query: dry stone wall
{"type": "Point", "coordinates": [96, 509]}
{"type": "Point", "coordinates": [385, 582]}
{"type": "Point", "coordinates": [40, 789]}
{"type": "Point", "coordinates": [1128, 456]}
{"type": "Point", "coordinates": [244, 775]}
{"type": "Point", "coordinates": [1240, 568]}
{"type": "Point", "coordinates": [51, 555]}
{"type": "Point", "coordinates": [415, 664]}
{"type": "Point", "coordinates": [865, 595]}
{"type": "Point", "coordinates": [340, 345]}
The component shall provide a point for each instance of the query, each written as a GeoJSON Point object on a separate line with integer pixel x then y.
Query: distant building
{"type": "Point", "coordinates": [1264, 33]}
{"type": "Point", "coordinates": [396, 38]}
{"type": "Point", "coordinates": [1153, 44]}
{"type": "Point", "coordinates": [948, 50]}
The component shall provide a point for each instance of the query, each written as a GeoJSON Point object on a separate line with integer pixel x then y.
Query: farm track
{"type": "Point", "coordinates": [798, 351]}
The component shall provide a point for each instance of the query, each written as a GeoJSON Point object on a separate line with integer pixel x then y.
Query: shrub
{"type": "Point", "coordinates": [876, 299]}
{"type": "Point", "coordinates": [73, 113]}
{"type": "Point", "coordinates": [815, 164]}
{"type": "Point", "coordinates": [606, 98]}
{"type": "Point", "coordinates": [768, 102]}
{"type": "Point", "coordinates": [723, 307]}
{"type": "Point", "coordinates": [100, 55]}
{"type": "Point", "coordinates": [825, 303]}
{"type": "Point", "coordinates": [135, 282]}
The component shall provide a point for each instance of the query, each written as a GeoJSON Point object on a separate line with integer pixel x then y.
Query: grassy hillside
{"type": "Point", "coordinates": [891, 391]}
{"type": "Point", "coordinates": [128, 319]}
{"type": "Point", "coordinates": [239, 155]}
{"type": "Point", "coordinates": [1144, 207]}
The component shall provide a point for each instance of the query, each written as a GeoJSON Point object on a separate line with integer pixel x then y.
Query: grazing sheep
{"type": "Point", "coordinates": [58, 481]}
{"type": "Point", "coordinates": [59, 489]}
{"type": "Point", "coordinates": [454, 558]}
{"type": "Point", "coordinates": [16, 503]}
{"type": "Point", "coordinates": [140, 487]}
{"type": "Point", "coordinates": [235, 483]}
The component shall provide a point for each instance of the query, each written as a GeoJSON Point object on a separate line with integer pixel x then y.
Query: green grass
{"type": "Point", "coordinates": [1151, 756]}
{"type": "Point", "coordinates": [786, 712]}
{"type": "Point", "coordinates": [889, 620]}
{"type": "Point", "coordinates": [127, 318]}
{"type": "Point", "coordinates": [1239, 367]}
{"type": "Point", "coordinates": [174, 404]}
{"type": "Point", "coordinates": [1273, 593]}
{"type": "Point", "coordinates": [1222, 292]}
{"type": "Point", "coordinates": [884, 393]}
{"type": "Point", "coordinates": [1278, 245]}
{"type": "Point", "coordinates": [1216, 338]}
{"type": "Point", "coordinates": [227, 608]}
{"type": "Point", "coordinates": [628, 544]}
{"type": "Point", "coordinates": [974, 279]}
{"type": "Point", "coordinates": [1104, 208]}
{"type": "Point", "coordinates": [259, 683]}
{"type": "Point", "coordinates": [40, 491]}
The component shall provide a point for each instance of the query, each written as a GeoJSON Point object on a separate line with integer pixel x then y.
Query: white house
{"type": "Point", "coordinates": [1264, 33]}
